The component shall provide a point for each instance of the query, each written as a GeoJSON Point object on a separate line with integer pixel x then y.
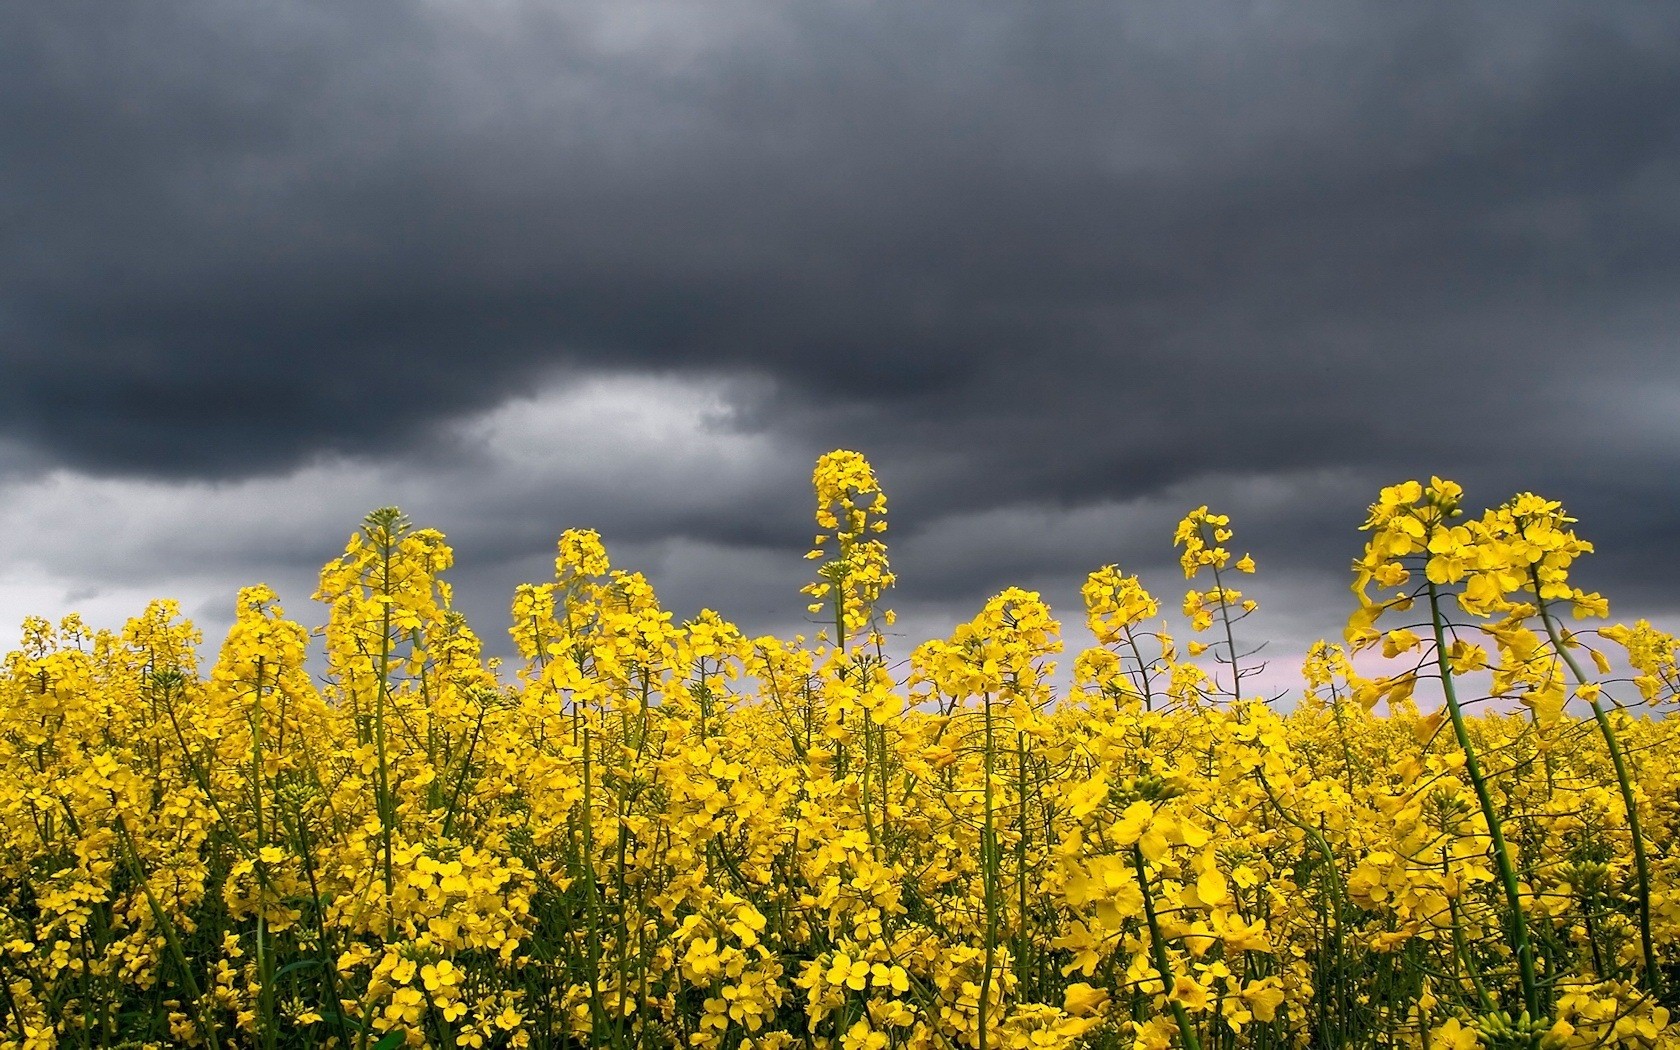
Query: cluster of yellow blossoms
{"type": "Point", "coordinates": [654, 834]}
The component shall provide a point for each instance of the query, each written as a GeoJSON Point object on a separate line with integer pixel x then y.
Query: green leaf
{"type": "Point", "coordinates": [293, 967]}
{"type": "Point", "coordinates": [344, 1019]}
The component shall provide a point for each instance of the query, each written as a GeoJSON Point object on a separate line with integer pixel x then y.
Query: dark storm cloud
{"type": "Point", "coordinates": [1027, 256]}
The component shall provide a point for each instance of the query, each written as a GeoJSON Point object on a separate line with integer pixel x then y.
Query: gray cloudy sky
{"type": "Point", "coordinates": [1063, 271]}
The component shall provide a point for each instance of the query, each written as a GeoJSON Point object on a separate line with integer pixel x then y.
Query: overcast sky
{"type": "Point", "coordinates": [1062, 271]}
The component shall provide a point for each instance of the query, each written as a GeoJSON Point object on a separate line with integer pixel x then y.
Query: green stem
{"type": "Point", "coordinates": [1230, 636]}
{"type": "Point", "coordinates": [1653, 977]}
{"type": "Point", "coordinates": [466, 767]}
{"type": "Point", "coordinates": [988, 878]}
{"type": "Point", "coordinates": [132, 857]}
{"type": "Point", "coordinates": [1143, 676]}
{"type": "Point", "coordinates": [1341, 733]}
{"type": "Point", "coordinates": [1023, 939]}
{"type": "Point", "coordinates": [587, 873]}
{"type": "Point", "coordinates": [1501, 855]}
{"type": "Point", "coordinates": [1158, 952]}
{"type": "Point", "coordinates": [384, 786]}
{"type": "Point", "coordinates": [329, 976]}
{"type": "Point", "coordinates": [1333, 876]}
{"type": "Point", "coordinates": [267, 1030]}
{"type": "Point", "coordinates": [1461, 950]}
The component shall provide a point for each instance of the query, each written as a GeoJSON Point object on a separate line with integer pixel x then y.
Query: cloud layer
{"type": "Point", "coordinates": [1062, 270]}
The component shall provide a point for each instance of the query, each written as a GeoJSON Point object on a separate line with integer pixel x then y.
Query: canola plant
{"type": "Point", "coordinates": [653, 834]}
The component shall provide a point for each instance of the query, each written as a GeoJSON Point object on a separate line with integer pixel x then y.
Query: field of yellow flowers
{"type": "Point", "coordinates": [653, 834]}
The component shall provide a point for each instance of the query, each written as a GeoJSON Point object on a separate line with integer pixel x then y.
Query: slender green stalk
{"type": "Point", "coordinates": [1023, 937]}
{"type": "Point", "coordinates": [267, 1030]}
{"type": "Point", "coordinates": [1333, 876]}
{"type": "Point", "coordinates": [329, 977]}
{"type": "Point", "coordinates": [1143, 676]}
{"type": "Point", "coordinates": [1501, 855]}
{"type": "Point", "coordinates": [466, 767]}
{"type": "Point", "coordinates": [171, 937]}
{"type": "Point", "coordinates": [386, 816]}
{"type": "Point", "coordinates": [586, 872]}
{"type": "Point", "coordinates": [867, 770]}
{"type": "Point", "coordinates": [989, 879]}
{"type": "Point", "coordinates": [1461, 950]}
{"type": "Point", "coordinates": [1158, 952]}
{"type": "Point", "coordinates": [1230, 636]}
{"type": "Point", "coordinates": [1652, 976]}
{"type": "Point", "coordinates": [1341, 734]}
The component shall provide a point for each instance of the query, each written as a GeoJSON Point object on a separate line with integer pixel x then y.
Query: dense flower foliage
{"type": "Point", "coordinates": [661, 834]}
